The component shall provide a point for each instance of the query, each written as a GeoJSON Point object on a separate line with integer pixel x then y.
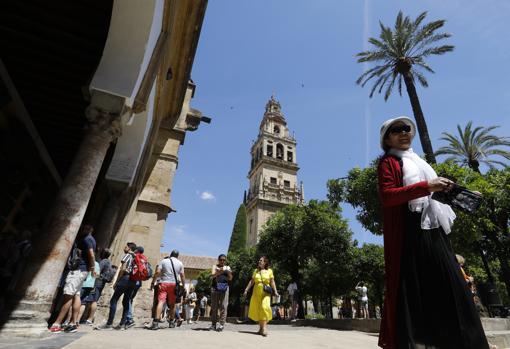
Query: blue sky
{"type": "Point", "coordinates": [303, 51]}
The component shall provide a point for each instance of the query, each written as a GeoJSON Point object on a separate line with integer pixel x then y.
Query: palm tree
{"type": "Point", "coordinates": [474, 146]}
{"type": "Point", "coordinates": [401, 55]}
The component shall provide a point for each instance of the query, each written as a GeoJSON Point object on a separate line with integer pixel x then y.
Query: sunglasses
{"type": "Point", "coordinates": [399, 129]}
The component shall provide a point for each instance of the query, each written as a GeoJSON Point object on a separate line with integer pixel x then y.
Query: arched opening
{"type": "Point", "coordinates": [269, 150]}
{"type": "Point", "coordinates": [279, 151]}
{"type": "Point", "coordinates": [276, 130]}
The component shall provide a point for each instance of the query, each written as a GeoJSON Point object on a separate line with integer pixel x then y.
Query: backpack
{"type": "Point", "coordinates": [108, 273]}
{"type": "Point", "coordinates": [142, 270]}
{"type": "Point", "coordinates": [73, 262]}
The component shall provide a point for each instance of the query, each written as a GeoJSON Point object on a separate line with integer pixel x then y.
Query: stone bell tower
{"type": "Point", "coordinates": [273, 171]}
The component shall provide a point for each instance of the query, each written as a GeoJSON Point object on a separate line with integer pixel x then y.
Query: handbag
{"type": "Point", "coordinates": [178, 290]}
{"type": "Point", "coordinates": [221, 286]}
{"type": "Point", "coordinates": [460, 198]}
{"type": "Point", "coordinates": [267, 288]}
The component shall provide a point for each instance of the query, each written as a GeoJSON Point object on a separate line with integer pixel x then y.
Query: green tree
{"type": "Point", "coordinates": [203, 285]}
{"type": "Point", "coordinates": [304, 243]}
{"type": "Point", "coordinates": [401, 54]}
{"type": "Point", "coordinates": [474, 146]}
{"type": "Point", "coordinates": [369, 267]}
{"type": "Point", "coordinates": [239, 233]}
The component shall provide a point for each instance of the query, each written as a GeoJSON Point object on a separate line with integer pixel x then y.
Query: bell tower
{"type": "Point", "coordinates": [273, 171]}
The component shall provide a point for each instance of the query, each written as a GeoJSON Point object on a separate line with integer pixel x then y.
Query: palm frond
{"type": "Point", "coordinates": [390, 85]}
{"type": "Point", "coordinates": [421, 78]}
{"type": "Point", "coordinates": [372, 72]}
{"type": "Point", "coordinates": [438, 50]}
{"type": "Point", "coordinates": [380, 82]}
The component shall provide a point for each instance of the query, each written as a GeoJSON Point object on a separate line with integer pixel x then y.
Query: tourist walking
{"type": "Point", "coordinates": [221, 275]}
{"type": "Point", "coordinates": [106, 275]}
{"type": "Point", "coordinates": [203, 306]}
{"type": "Point", "coordinates": [292, 290]}
{"type": "Point", "coordinates": [123, 287]}
{"type": "Point", "coordinates": [422, 274]}
{"type": "Point", "coordinates": [80, 264]}
{"type": "Point", "coordinates": [362, 299]}
{"type": "Point", "coordinates": [171, 275]}
{"type": "Point", "coordinates": [191, 302]}
{"type": "Point", "coordinates": [263, 284]}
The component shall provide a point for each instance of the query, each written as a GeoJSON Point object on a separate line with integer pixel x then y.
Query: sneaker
{"type": "Point", "coordinates": [220, 328]}
{"type": "Point", "coordinates": [119, 327]}
{"type": "Point", "coordinates": [129, 324]}
{"type": "Point", "coordinates": [154, 326]}
{"type": "Point", "coordinates": [55, 329]}
{"type": "Point", "coordinates": [179, 322]}
{"type": "Point", "coordinates": [71, 329]}
{"type": "Point", "coordinates": [89, 323]}
{"type": "Point", "coordinates": [212, 327]}
{"type": "Point", "coordinates": [171, 324]}
{"type": "Point", "coordinates": [103, 327]}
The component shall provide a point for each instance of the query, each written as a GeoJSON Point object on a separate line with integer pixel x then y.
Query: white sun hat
{"type": "Point", "coordinates": [387, 124]}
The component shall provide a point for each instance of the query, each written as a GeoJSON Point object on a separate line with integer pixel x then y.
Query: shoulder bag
{"type": "Point", "coordinates": [179, 290]}
{"type": "Point", "coordinates": [267, 288]}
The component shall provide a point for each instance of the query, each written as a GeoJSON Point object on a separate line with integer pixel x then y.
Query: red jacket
{"type": "Point", "coordinates": [394, 197]}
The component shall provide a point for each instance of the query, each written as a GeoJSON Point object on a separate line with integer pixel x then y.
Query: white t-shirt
{"type": "Point", "coordinates": [363, 292]}
{"type": "Point", "coordinates": [167, 274]}
{"type": "Point", "coordinates": [203, 302]}
{"type": "Point", "coordinates": [215, 268]}
{"type": "Point", "coordinates": [292, 288]}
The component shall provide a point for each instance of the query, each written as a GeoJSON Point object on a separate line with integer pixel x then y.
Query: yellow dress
{"type": "Point", "coordinates": [260, 302]}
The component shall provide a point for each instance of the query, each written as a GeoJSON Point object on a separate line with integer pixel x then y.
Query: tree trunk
{"type": "Point", "coordinates": [420, 119]}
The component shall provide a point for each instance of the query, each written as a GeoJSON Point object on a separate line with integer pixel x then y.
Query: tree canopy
{"type": "Point", "coordinates": [474, 146]}
{"type": "Point", "coordinates": [239, 232]}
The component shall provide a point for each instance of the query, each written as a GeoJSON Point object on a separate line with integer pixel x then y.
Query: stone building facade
{"type": "Point", "coordinates": [273, 171]}
{"type": "Point", "coordinates": [94, 105]}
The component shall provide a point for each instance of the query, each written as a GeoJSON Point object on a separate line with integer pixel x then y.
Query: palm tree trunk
{"type": "Point", "coordinates": [420, 119]}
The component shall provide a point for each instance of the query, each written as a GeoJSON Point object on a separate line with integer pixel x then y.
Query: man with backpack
{"type": "Point", "coordinates": [142, 271]}
{"type": "Point", "coordinates": [124, 287]}
{"type": "Point", "coordinates": [106, 275]}
{"type": "Point", "coordinates": [80, 263]}
{"type": "Point", "coordinates": [171, 275]}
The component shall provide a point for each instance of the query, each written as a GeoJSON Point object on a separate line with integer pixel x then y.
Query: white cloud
{"type": "Point", "coordinates": [207, 195]}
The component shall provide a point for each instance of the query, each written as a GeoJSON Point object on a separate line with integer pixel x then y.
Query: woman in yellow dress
{"type": "Point", "coordinates": [260, 302]}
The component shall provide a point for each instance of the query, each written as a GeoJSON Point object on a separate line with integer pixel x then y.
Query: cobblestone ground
{"type": "Point", "coordinates": [197, 336]}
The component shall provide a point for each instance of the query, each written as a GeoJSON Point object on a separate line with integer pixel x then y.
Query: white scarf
{"type": "Point", "coordinates": [434, 213]}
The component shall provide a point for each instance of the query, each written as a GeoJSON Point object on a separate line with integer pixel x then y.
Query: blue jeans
{"type": "Point", "coordinates": [129, 317]}
{"type": "Point", "coordinates": [125, 288]}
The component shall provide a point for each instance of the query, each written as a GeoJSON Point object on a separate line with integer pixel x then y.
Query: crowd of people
{"type": "Point", "coordinates": [85, 278]}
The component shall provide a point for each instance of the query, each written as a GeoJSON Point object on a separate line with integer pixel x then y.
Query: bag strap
{"type": "Point", "coordinates": [261, 279]}
{"type": "Point", "coordinates": [175, 275]}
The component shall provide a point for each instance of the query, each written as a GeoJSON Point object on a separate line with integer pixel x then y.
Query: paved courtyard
{"type": "Point", "coordinates": [197, 336]}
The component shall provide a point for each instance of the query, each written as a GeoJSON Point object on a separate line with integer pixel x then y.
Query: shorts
{"type": "Point", "coordinates": [202, 311]}
{"type": "Point", "coordinates": [166, 292]}
{"type": "Point", "coordinates": [74, 281]}
{"type": "Point", "coordinates": [88, 294]}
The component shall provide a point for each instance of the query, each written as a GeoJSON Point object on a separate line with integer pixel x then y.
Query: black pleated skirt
{"type": "Point", "coordinates": [434, 307]}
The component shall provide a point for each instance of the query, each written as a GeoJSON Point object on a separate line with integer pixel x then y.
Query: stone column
{"type": "Point", "coordinates": [104, 230]}
{"type": "Point", "coordinates": [50, 254]}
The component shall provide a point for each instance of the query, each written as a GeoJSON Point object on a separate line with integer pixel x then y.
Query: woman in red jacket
{"type": "Point", "coordinates": [427, 301]}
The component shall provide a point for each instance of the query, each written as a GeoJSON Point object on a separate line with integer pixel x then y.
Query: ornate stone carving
{"type": "Point", "coordinates": [103, 121]}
